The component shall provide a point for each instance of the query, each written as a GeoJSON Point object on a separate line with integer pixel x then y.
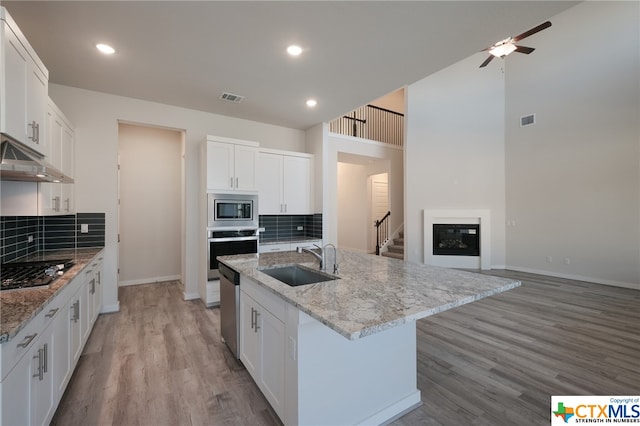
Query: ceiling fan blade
{"type": "Point", "coordinates": [486, 62]}
{"type": "Point", "coordinates": [524, 49]}
{"type": "Point", "coordinates": [532, 31]}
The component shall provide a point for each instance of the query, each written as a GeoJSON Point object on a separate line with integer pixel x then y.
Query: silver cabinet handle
{"type": "Point", "coordinates": [257, 326]}
{"type": "Point", "coordinates": [253, 321]}
{"type": "Point", "coordinates": [93, 286]}
{"type": "Point", "coordinates": [99, 277]}
{"type": "Point", "coordinates": [67, 203]}
{"type": "Point", "coordinates": [45, 350]}
{"type": "Point", "coordinates": [76, 311]}
{"type": "Point", "coordinates": [236, 183]}
{"type": "Point", "coordinates": [231, 182]}
{"type": "Point", "coordinates": [52, 312]}
{"type": "Point", "coordinates": [35, 132]}
{"type": "Point", "coordinates": [39, 371]}
{"type": "Point", "coordinates": [27, 340]}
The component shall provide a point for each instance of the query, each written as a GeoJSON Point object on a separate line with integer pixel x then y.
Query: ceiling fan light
{"type": "Point", "coordinates": [503, 49]}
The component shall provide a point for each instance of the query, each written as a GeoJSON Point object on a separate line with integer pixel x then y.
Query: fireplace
{"type": "Point", "coordinates": [451, 239]}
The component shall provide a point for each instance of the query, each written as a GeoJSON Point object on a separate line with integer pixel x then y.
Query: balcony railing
{"type": "Point", "coordinates": [373, 123]}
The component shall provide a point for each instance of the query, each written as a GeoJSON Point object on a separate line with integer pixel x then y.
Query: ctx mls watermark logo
{"type": "Point", "coordinates": [576, 409]}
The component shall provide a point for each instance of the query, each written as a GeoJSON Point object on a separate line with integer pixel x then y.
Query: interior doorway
{"type": "Point", "coordinates": [150, 204]}
{"type": "Point", "coordinates": [363, 191]}
{"type": "Point", "coordinates": [379, 196]}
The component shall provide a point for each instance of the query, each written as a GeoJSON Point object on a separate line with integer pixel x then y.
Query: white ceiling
{"type": "Point", "coordinates": [186, 53]}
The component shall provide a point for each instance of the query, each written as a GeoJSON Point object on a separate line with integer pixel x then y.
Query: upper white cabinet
{"type": "Point", "coordinates": [231, 164]}
{"type": "Point", "coordinates": [24, 83]}
{"type": "Point", "coordinates": [58, 198]}
{"type": "Point", "coordinates": [284, 182]}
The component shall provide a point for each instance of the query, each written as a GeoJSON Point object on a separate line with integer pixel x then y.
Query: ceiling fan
{"type": "Point", "coordinates": [508, 45]}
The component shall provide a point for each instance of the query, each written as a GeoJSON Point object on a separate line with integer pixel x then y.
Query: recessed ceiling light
{"type": "Point", "coordinates": [311, 103]}
{"type": "Point", "coordinates": [294, 50]}
{"type": "Point", "coordinates": [105, 48]}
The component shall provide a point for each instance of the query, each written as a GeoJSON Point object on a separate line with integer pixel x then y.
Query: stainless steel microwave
{"type": "Point", "coordinates": [232, 210]}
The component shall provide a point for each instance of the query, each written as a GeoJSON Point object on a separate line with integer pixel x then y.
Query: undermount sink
{"type": "Point", "coordinates": [297, 275]}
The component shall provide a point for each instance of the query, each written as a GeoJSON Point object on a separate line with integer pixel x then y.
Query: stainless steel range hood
{"type": "Point", "coordinates": [21, 163]}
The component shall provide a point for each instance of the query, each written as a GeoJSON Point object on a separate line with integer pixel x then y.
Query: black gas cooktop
{"type": "Point", "coordinates": [20, 275]}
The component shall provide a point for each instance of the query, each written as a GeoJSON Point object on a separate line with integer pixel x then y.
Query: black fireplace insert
{"type": "Point", "coordinates": [456, 240]}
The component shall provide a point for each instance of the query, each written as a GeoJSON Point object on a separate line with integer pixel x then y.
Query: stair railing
{"type": "Point", "coordinates": [382, 232]}
{"type": "Point", "coordinates": [373, 123]}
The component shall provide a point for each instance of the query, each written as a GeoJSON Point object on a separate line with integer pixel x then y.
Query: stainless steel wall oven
{"type": "Point", "coordinates": [228, 242]}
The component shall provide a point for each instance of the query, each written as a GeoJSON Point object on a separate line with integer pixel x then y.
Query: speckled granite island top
{"type": "Point", "coordinates": [18, 307]}
{"type": "Point", "coordinates": [374, 293]}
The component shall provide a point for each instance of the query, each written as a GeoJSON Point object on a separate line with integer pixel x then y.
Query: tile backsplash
{"type": "Point", "coordinates": [48, 233]}
{"type": "Point", "coordinates": [290, 227]}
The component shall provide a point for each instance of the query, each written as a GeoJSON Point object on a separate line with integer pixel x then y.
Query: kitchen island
{"type": "Point", "coordinates": [343, 351]}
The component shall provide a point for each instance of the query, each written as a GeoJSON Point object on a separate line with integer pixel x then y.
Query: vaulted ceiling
{"type": "Point", "coordinates": [186, 53]}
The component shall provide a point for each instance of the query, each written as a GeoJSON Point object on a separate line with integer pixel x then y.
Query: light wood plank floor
{"type": "Point", "coordinates": [492, 362]}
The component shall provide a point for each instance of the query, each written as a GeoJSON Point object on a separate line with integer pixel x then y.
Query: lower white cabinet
{"type": "Point", "coordinates": [37, 364]}
{"type": "Point", "coordinates": [262, 341]}
{"type": "Point", "coordinates": [272, 248]}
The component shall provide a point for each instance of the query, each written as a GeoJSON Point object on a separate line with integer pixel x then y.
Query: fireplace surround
{"type": "Point", "coordinates": [479, 217]}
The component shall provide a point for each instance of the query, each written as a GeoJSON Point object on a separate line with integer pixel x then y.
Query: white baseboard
{"type": "Point", "coordinates": [190, 296]}
{"type": "Point", "coordinates": [633, 286]}
{"type": "Point", "coordinates": [108, 309]}
{"type": "Point", "coordinates": [150, 280]}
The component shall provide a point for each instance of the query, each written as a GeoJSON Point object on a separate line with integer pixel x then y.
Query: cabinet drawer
{"type": "Point", "coordinates": [11, 352]}
{"type": "Point", "coordinates": [268, 300]}
{"type": "Point", "coordinates": [272, 248]}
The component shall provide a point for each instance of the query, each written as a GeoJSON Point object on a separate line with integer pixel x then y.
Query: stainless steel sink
{"type": "Point", "coordinates": [298, 275]}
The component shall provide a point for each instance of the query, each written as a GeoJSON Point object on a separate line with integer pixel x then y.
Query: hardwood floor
{"type": "Point", "coordinates": [497, 361]}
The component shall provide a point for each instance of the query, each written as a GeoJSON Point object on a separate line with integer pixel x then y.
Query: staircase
{"type": "Point", "coordinates": [396, 250]}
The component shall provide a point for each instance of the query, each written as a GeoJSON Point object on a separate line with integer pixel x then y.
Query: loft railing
{"type": "Point", "coordinates": [382, 232]}
{"type": "Point", "coordinates": [373, 123]}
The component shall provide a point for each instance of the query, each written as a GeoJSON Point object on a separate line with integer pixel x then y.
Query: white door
{"type": "Point", "coordinates": [379, 203]}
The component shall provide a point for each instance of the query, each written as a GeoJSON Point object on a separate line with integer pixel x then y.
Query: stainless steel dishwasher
{"type": "Point", "coordinates": [230, 307]}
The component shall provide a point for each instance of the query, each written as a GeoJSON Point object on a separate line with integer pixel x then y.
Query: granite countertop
{"type": "Point", "coordinates": [374, 293]}
{"type": "Point", "coordinates": [18, 307]}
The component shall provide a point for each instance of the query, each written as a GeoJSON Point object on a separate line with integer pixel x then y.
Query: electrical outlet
{"type": "Point", "coordinates": [567, 261]}
{"type": "Point", "coordinates": [300, 228]}
{"type": "Point", "coordinates": [549, 259]}
{"type": "Point", "coordinates": [84, 228]}
{"type": "Point", "coordinates": [30, 239]}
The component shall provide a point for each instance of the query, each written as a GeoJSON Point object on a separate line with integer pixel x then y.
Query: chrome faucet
{"type": "Point", "coordinates": [321, 257]}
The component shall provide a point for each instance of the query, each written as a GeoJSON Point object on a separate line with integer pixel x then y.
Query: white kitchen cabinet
{"type": "Point", "coordinates": [231, 166]}
{"type": "Point", "coordinates": [15, 396]}
{"type": "Point", "coordinates": [273, 248]}
{"type": "Point", "coordinates": [262, 341]}
{"type": "Point", "coordinates": [28, 396]}
{"type": "Point", "coordinates": [58, 198]}
{"type": "Point", "coordinates": [36, 364]}
{"type": "Point", "coordinates": [41, 372]}
{"type": "Point", "coordinates": [24, 83]}
{"type": "Point", "coordinates": [284, 182]}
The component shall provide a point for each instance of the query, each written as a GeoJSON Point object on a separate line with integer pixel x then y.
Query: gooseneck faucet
{"type": "Point", "coordinates": [321, 256]}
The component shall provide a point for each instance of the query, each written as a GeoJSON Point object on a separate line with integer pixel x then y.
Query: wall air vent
{"type": "Point", "coordinates": [230, 97]}
{"type": "Point", "coordinates": [527, 120]}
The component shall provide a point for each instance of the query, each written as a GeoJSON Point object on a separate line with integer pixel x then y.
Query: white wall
{"type": "Point", "coordinates": [353, 207]}
{"type": "Point", "coordinates": [150, 204]}
{"type": "Point", "coordinates": [573, 178]}
{"type": "Point", "coordinates": [454, 153]}
{"type": "Point", "coordinates": [96, 117]}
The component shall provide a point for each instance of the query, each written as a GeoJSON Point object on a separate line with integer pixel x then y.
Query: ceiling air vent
{"type": "Point", "coordinates": [230, 97]}
{"type": "Point", "coordinates": [527, 120]}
